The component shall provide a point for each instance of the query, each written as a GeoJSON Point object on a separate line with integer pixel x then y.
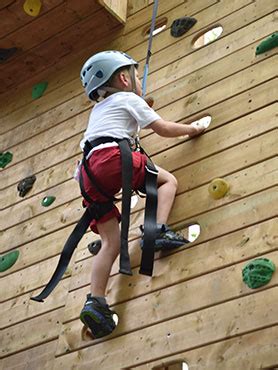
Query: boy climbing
{"type": "Point", "coordinates": [111, 79]}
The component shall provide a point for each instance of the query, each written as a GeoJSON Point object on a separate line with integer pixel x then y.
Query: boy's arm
{"type": "Point", "coordinates": [173, 129]}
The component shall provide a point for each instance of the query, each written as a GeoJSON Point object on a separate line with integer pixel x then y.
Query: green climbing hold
{"type": "Point", "coordinates": [267, 44]}
{"type": "Point", "coordinates": [39, 89]}
{"type": "Point", "coordinates": [5, 158]}
{"type": "Point", "coordinates": [258, 272]}
{"type": "Point", "coordinates": [8, 260]}
{"type": "Point", "coordinates": [47, 201]}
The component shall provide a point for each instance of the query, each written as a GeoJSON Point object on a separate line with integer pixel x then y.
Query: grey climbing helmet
{"type": "Point", "coordinates": [98, 69]}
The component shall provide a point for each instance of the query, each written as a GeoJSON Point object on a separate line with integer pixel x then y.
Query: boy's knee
{"type": "Point", "coordinates": [174, 181]}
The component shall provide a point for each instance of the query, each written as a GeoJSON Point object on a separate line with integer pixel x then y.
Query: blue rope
{"type": "Point", "coordinates": [149, 53]}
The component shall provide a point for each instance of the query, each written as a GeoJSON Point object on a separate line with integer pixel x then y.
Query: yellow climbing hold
{"type": "Point", "coordinates": [32, 7]}
{"type": "Point", "coordinates": [218, 188]}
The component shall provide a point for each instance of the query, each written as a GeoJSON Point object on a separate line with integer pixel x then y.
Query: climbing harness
{"type": "Point", "coordinates": [96, 210]}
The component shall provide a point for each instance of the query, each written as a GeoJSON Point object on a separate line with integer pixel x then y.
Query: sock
{"type": "Point", "coordinates": [101, 300]}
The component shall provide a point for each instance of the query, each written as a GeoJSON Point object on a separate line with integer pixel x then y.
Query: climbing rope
{"type": "Point", "coordinates": [149, 53]}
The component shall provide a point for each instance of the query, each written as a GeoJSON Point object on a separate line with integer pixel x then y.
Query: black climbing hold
{"type": "Point", "coordinates": [8, 260]}
{"type": "Point", "coordinates": [6, 54]}
{"type": "Point", "coordinates": [39, 89]}
{"type": "Point", "coordinates": [181, 25]}
{"type": "Point", "coordinates": [47, 201]}
{"type": "Point", "coordinates": [5, 158]}
{"type": "Point", "coordinates": [267, 44]}
{"type": "Point", "coordinates": [94, 247]}
{"type": "Point", "coordinates": [25, 185]}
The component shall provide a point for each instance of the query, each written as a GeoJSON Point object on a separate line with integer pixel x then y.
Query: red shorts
{"type": "Point", "coordinates": [106, 167]}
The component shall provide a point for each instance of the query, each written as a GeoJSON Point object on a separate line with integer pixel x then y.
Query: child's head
{"type": "Point", "coordinates": [108, 72]}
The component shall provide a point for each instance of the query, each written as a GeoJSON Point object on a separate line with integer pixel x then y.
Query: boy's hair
{"type": "Point", "coordinates": [110, 82]}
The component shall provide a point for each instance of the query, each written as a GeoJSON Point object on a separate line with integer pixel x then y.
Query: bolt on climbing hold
{"type": "Point", "coordinates": [32, 7]}
{"type": "Point", "coordinates": [181, 25]}
{"type": "Point", "coordinates": [6, 54]}
{"type": "Point", "coordinates": [8, 260]}
{"type": "Point", "coordinates": [94, 247]}
{"type": "Point", "coordinates": [25, 185]}
{"type": "Point", "coordinates": [47, 201]}
{"type": "Point", "coordinates": [258, 272]}
{"type": "Point", "coordinates": [5, 158]}
{"type": "Point", "coordinates": [218, 188]}
{"type": "Point", "coordinates": [267, 44]}
{"type": "Point", "coordinates": [39, 89]}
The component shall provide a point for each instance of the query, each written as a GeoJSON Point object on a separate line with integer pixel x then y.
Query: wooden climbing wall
{"type": "Point", "coordinates": [196, 308]}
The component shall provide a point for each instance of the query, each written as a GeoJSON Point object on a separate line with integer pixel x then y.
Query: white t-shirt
{"type": "Point", "coordinates": [119, 116]}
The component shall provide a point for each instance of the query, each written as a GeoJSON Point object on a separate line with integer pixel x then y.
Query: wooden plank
{"type": "Point", "coordinates": [49, 246]}
{"type": "Point", "coordinates": [251, 351]}
{"type": "Point", "coordinates": [174, 301]}
{"type": "Point", "coordinates": [242, 59]}
{"type": "Point", "coordinates": [33, 277]}
{"type": "Point", "coordinates": [193, 103]}
{"type": "Point", "coordinates": [123, 45]}
{"type": "Point", "coordinates": [30, 358]}
{"type": "Point", "coordinates": [232, 16]}
{"type": "Point", "coordinates": [201, 259]}
{"type": "Point", "coordinates": [12, 17]}
{"type": "Point", "coordinates": [21, 308]}
{"type": "Point", "coordinates": [118, 8]}
{"type": "Point", "coordinates": [232, 134]}
{"type": "Point", "coordinates": [229, 319]}
{"type": "Point", "coordinates": [22, 336]}
{"type": "Point", "coordinates": [64, 75]}
{"type": "Point", "coordinates": [114, 47]}
{"type": "Point", "coordinates": [61, 17]}
{"type": "Point", "coordinates": [261, 27]}
{"type": "Point", "coordinates": [195, 213]}
{"type": "Point", "coordinates": [223, 112]}
{"type": "Point", "coordinates": [71, 212]}
{"type": "Point", "coordinates": [180, 73]}
{"type": "Point", "coordinates": [235, 84]}
{"type": "Point", "coordinates": [134, 6]}
{"type": "Point", "coordinates": [75, 103]}
{"type": "Point", "coordinates": [61, 45]}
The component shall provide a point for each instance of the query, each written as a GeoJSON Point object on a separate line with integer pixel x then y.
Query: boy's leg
{"type": "Point", "coordinates": [102, 263]}
{"type": "Point", "coordinates": [96, 313]}
{"type": "Point", "coordinates": [166, 191]}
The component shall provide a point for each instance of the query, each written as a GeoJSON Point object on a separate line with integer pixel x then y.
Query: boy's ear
{"type": "Point", "coordinates": [123, 78]}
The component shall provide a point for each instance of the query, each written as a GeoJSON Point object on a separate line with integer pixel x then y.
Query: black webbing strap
{"type": "Point", "coordinates": [66, 255]}
{"type": "Point", "coordinates": [95, 211]}
{"type": "Point", "coordinates": [127, 166]}
{"type": "Point", "coordinates": [150, 225]}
